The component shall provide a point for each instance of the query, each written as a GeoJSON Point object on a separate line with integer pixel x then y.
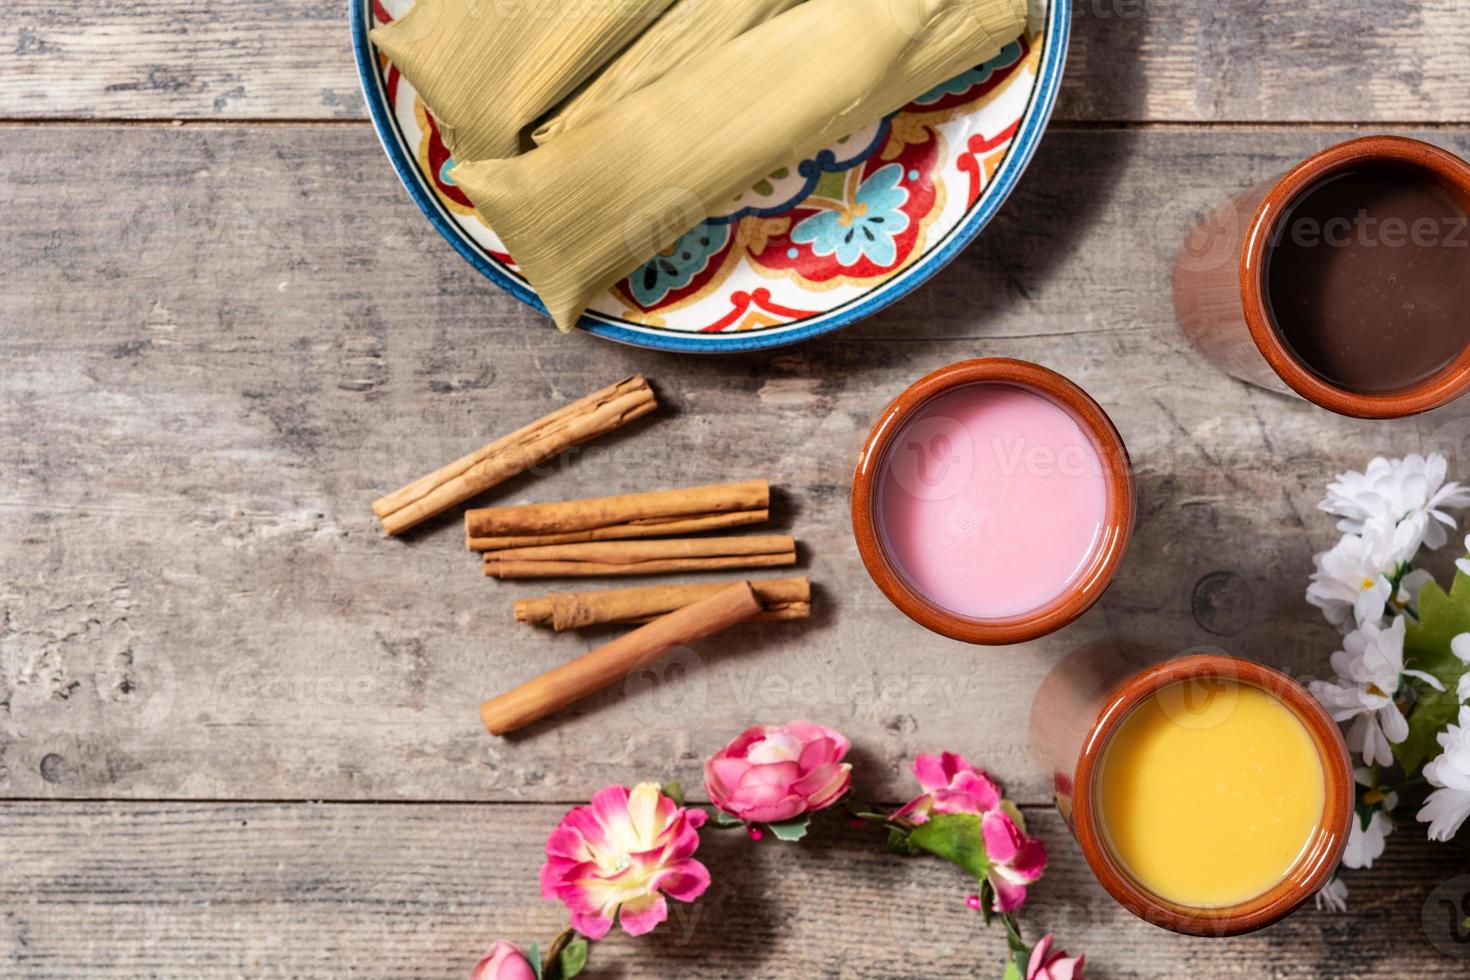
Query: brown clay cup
{"type": "Point", "coordinates": [1220, 289]}
{"type": "Point", "coordinates": [1083, 702]}
{"type": "Point", "coordinates": [1100, 568]}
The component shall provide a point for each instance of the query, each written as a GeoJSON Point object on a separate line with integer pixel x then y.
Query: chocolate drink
{"type": "Point", "coordinates": [1368, 278]}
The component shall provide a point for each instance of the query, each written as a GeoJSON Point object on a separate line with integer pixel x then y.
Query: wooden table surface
{"type": "Point", "coordinates": [238, 733]}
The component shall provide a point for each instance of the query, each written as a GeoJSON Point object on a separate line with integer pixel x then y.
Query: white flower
{"type": "Point", "coordinates": [1448, 806]}
{"type": "Point", "coordinates": [1409, 588]}
{"type": "Point", "coordinates": [1332, 897]}
{"type": "Point", "coordinates": [1463, 564]}
{"type": "Point", "coordinates": [1460, 647]}
{"type": "Point", "coordinates": [1351, 583]}
{"type": "Point", "coordinates": [1411, 490]}
{"type": "Point", "coordinates": [1369, 669]}
{"type": "Point", "coordinates": [1365, 843]}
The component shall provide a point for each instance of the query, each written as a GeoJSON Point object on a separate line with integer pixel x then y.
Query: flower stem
{"type": "Point", "coordinates": [861, 812]}
{"type": "Point", "coordinates": [1013, 935]}
{"type": "Point", "coordinates": [553, 952]}
{"type": "Point", "coordinates": [883, 821]}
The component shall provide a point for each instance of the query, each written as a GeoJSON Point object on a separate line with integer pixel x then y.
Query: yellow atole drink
{"type": "Point", "coordinates": [1209, 792]}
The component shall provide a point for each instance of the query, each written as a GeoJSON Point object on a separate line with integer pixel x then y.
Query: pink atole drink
{"type": "Point", "coordinates": [991, 500]}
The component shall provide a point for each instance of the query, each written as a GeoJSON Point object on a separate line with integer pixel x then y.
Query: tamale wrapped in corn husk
{"type": "Point", "coordinates": [686, 31]}
{"type": "Point", "coordinates": [585, 210]}
{"type": "Point", "coordinates": [488, 69]}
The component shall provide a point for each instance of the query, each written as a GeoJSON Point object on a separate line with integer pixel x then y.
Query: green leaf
{"type": "Point", "coordinates": [955, 837]}
{"type": "Point", "coordinates": [674, 791]}
{"type": "Point", "coordinates": [720, 818]}
{"type": "Point", "coordinates": [791, 830]}
{"type": "Point", "coordinates": [534, 958]}
{"type": "Point", "coordinates": [899, 843]}
{"type": "Point", "coordinates": [573, 959]}
{"type": "Point", "coordinates": [1442, 617]}
{"type": "Point", "coordinates": [1364, 813]}
{"type": "Point", "coordinates": [1013, 970]}
{"type": "Point", "coordinates": [1013, 937]}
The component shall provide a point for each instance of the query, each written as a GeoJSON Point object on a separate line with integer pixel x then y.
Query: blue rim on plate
{"type": "Point", "coordinates": [936, 257]}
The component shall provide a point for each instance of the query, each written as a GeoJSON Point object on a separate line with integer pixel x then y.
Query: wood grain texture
{"type": "Point", "coordinates": [219, 343]}
{"type": "Point", "coordinates": [220, 59]}
{"type": "Point", "coordinates": [197, 891]}
{"type": "Point", "coordinates": [1131, 60]}
{"type": "Point", "coordinates": [212, 370]}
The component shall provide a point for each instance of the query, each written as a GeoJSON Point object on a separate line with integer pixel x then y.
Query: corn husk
{"type": "Point", "coordinates": [687, 30]}
{"type": "Point", "coordinates": [588, 208]}
{"type": "Point", "coordinates": [487, 69]}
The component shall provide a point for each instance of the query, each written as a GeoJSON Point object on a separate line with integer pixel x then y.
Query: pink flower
{"type": "Point", "coordinates": [621, 856]}
{"type": "Point", "coordinates": [1015, 859]}
{"type": "Point", "coordinates": [503, 962]}
{"type": "Point", "coordinates": [951, 785]}
{"type": "Point", "coordinates": [770, 774]}
{"type": "Point", "coordinates": [1048, 965]}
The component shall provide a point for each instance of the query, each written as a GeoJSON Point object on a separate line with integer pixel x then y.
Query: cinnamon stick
{"type": "Point", "coordinates": [781, 598]}
{"type": "Point", "coordinates": [587, 569]}
{"type": "Point", "coordinates": [632, 508]}
{"type": "Point", "coordinates": [598, 414]}
{"type": "Point", "coordinates": [650, 528]}
{"type": "Point", "coordinates": [595, 558]}
{"type": "Point", "coordinates": [613, 662]}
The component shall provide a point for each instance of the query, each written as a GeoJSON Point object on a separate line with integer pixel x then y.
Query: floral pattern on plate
{"type": "Point", "coordinates": [813, 239]}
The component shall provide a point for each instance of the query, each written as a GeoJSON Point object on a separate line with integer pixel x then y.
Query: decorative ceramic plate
{"type": "Point", "coordinates": [816, 245]}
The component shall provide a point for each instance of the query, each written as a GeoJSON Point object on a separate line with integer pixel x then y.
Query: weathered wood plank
{"type": "Point", "coordinates": [418, 891]}
{"type": "Point", "coordinates": [1154, 60]}
{"type": "Point", "coordinates": [1257, 61]}
{"type": "Point", "coordinates": [223, 59]}
{"type": "Point", "coordinates": [213, 367]}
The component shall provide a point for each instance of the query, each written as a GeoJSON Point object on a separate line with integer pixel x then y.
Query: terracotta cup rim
{"type": "Point", "coordinates": [1312, 869]}
{"type": "Point", "coordinates": [1446, 384]}
{"type": "Point", "coordinates": [1107, 555]}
